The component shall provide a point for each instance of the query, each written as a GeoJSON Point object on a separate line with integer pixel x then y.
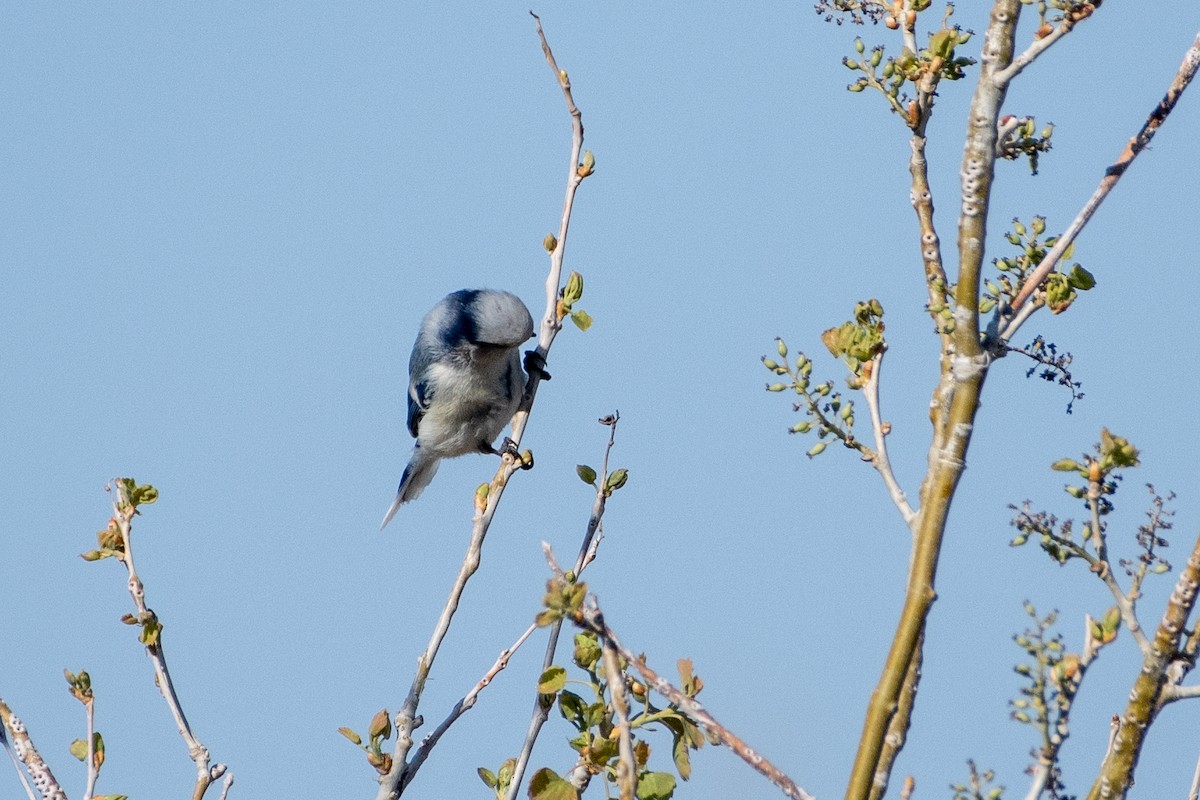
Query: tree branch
{"type": "Point", "coordinates": [879, 459]}
{"type": "Point", "coordinates": [955, 403]}
{"type": "Point", "coordinates": [1138, 143]}
{"type": "Point", "coordinates": [124, 509]}
{"type": "Point", "coordinates": [1145, 699]}
{"type": "Point", "coordinates": [587, 552]}
{"type": "Point", "coordinates": [591, 618]}
{"type": "Point", "coordinates": [38, 770]}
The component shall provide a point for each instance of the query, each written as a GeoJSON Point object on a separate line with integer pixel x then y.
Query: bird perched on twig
{"type": "Point", "coordinates": [465, 381]}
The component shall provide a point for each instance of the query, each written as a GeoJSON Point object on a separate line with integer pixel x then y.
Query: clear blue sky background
{"type": "Point", "coordinates": [220, 224]}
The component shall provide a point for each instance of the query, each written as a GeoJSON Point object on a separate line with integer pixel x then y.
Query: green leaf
{"type": "Point", "coordinates": [683, 762]}
{"type": "Point", "coordinates": [487, 776]}
{"type": "Point", "coordinates": [1066, 465]}
{"type": "Point", "coordinates": [573, 709]}
{"type": "Point", "coordinates": [1081, 279]}
{"type": "Point", "coordinates": [553, 680]}
{"type": "Point", "coordinates": [582, 319]}
{"type": "Point", "coordinates": [144, 495]}
{"type": "Point", "coordinates": [79, 749]}
{"type": "Point", "coordinates": [616, 479]}
{"type": "Point", "coordinates": [351, 735]}
{"type": "Point", "coordinates": [547, 785]}
{"type": "Point", "coordinates": [655, 786]}
{"type": "Point", "coordinates": [586, 474]}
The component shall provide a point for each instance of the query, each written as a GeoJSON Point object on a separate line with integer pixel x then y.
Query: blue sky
{"type": "Point", "coordinates": [222, 223]}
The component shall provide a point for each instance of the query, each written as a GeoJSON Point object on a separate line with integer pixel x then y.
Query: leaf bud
{"type": "Point", "coordinates": [816, 449]}
{"type": "Point", "coordinates": [770, 364]}
{"type": "Point", "coordinates": [776, 387]}
{"type": "Point", "coordinates": [550, 242]}
{"type": "Point", "coordinates": [381, 725]}
{"type": "Point", "coordinates": [858, 45]}
{"type": "Point", "coordinates": [1039, 226]}
{"type": "Point", "coordinates": [781, 347]}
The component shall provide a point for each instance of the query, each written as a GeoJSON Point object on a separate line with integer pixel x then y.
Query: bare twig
{"type": "Point", "coordinates": [463, 706]}
{"type": "Point", "coordinates": [27, 754]}
{"type": "Point", "coordinates": [124, 509]}
{"type": "Point", "coordinates": [626, 765]}
{"type": "Point", "coordinates": [592, 619]}
{"type": "Point", "coordinates": [879, 458]}
{"type": "Point", "coordinates": [1138, 143]}
{"type": "Point", "coordinates": [1194, 792]}
{"type": "Point", "coordinates": [591, 537]}
{"type": "Point", "coordinates": [1039, 46]}
{"type": "Point", "coordinates": [392, 784]}
{"type": "Point", "coordinates": [93, 772]}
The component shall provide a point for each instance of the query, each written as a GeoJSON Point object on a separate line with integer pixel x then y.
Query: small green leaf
{"type": "Point", "coordinates": [547, 785]}
{"type": "Point", "coordinates": [552, 680]}
{"type": "Point", "coordinates": [655, 786]}
{"type": "Point", "coordinates": [616, 479]}
{"type": "Point", "coordinates": [1066, 465]}
{"type": "Point", "coordinates": [1081, 279]}
{"type": "Point", "coordinates": [586, 474]}
{"type": "Point", "coordinates": [485, 774]}
{"type": "Point", "coordinates": [582, 319]}
{"type": "Point", "coordinates": [573, 709]}
{"type": "Point", "coordinates": [351, 735]}
{"type": "Point", "coordinates": [79, 749]}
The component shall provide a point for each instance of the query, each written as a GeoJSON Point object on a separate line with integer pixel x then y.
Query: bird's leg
{"type": "Point", "coordinates": [535, 363]}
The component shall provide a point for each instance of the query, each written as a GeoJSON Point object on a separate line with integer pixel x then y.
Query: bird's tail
{"type": "Point", "coordinates": [417, 475]}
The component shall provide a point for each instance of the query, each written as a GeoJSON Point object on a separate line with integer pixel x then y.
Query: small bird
{"type": "Point", "coordinates": [465, 381]}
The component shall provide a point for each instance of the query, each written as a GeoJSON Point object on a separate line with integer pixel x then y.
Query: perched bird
{"type": "Point", "coordinates": [465, 381]}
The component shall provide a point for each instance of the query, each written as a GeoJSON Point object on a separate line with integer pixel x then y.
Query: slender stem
{"type": "Point", "coordinates": [626, 764]}
{"type": "Point", "coordinates": [587, 552]}
{"type": "Point", "coordinates": [880, 458]}
{"type": "Point", "coordinates": [592, 619]}
{"type": "Point", "coordinates": [1136, 144]}
{"type": "Point", "coordinates": [92, 771]}
{"type": "Point", "coordinates": [461, 707]}
{"type": "Point", "coordinates": [123, 513]}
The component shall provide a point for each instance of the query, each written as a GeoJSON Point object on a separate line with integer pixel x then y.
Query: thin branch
{"type": "Point", "coordinates": [880, 459]}
{"type": "Point", "coordinates": [587, 552]}
{"type": "Point", "coordinates": [93, 772]}
{"type": "Point", "coordinates": [1194, 792]}
{"type": "Point", "coordinates": [1145, 698]}
{"type": "Point", "coordinates": [124, 509]}
{"type": "Point", "coordinates": [37, 768]}
{"type": "Point", "coordinates": [462, 706]}
{"type": "Point", "coordinates": [626, 764]}
{"type": "Point", "coordinates": [392, 784]}
{"type": "Point", "coordinates": [1039, 46]}
{"type": "Point", "coordinates": [1173, 693]}
{"type": "Point", "coordinates": [592, 619]}
{"type": "Point", "coordinates": [1138, 143]}
{"type": "Point", "coordinates": [897, 734]}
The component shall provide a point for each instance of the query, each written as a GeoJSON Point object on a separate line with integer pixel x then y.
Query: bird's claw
{"type": "Point", "coordinates": [535, 363]}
